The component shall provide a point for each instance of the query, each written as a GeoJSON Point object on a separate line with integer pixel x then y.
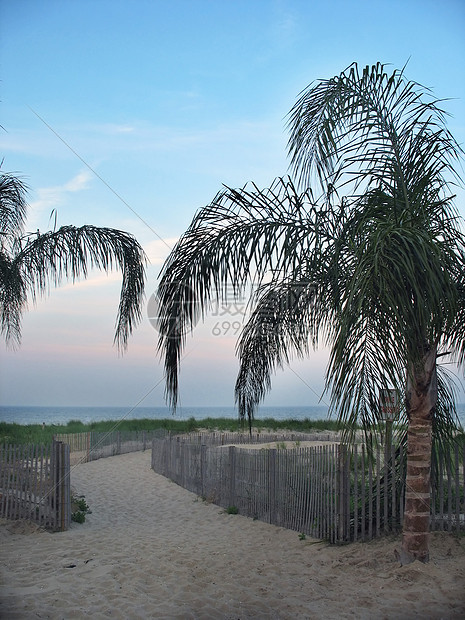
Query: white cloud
{"type": "Point", "coordinates": [158, 250]}
{"type": "Point", "coordinates": [79, 182]}
{"type": "Point", "coordinates": [98, 279]}
{"type": "Point", "coordinates": [48, 198]}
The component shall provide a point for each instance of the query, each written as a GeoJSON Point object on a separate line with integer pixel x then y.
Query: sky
{"type": "Point", "coordinates": [133, 114]}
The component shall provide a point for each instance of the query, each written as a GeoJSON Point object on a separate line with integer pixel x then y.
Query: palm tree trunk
{"type": "Point", "coordinates": [421, 400]}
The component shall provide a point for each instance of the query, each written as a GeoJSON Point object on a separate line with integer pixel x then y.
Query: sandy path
{"type": "Point", "coordinates": [153, 550]}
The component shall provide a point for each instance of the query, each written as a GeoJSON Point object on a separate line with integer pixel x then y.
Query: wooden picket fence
{"type": "Point", "coordinates": [267, 439]}
{"type": "Point", "coordinates": [35, 484]}
{"type": "Point", "coordinates": [292, 488]}
{"type": "Point", "coordinates": [92, 445]}
{"type": "Point", "coordinates": [332, 492]}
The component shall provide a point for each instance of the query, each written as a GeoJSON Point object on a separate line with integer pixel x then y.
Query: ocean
{"type": "Point", "coordinates": [62, 415]}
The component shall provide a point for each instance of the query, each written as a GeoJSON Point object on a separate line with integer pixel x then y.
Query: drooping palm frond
{"type": "Point", "coordinates": [454, 339]}
{"type": "Point", "coordinates": [13, 207]}
{"type": "Point", "coordinates": [281, 325]}
{"type": "Point", "coordinates": [446, 422]}
{"type": "Point", "coordinates": [30, 264]}
{"type": "Point", "coordinates": [44, 260]}
{"type": "Point", "coordinates": [13, 298]}
{"type": "Point", "coordinates": [244, 235]}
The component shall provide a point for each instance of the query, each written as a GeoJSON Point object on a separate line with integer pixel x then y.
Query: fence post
{"type": "Point", "coordinates": [93, 442]}
{"type": "Point", "coordinates": [457, 487]}
{"type": "Point", "coordinates": [340, 500]}
{"type": "Point", "coordinates": [51, 496]}
{"type": "Point", "coordinates": [65, 487]}
{"type": "Point", "coordinates": [387, 454]}
{"type": "Point", "coordinates": [168, 457]}
{"type": "Point", "coordinates": [60, 495]}
{"type": "Point", "coordinates": [378, 491]}
{"type": "Point", "coordinates": [272, 484]}
{"type": "Point", "coordinates": [203, 462]}
{"type": "Point", "coordinates": [355, 491]}
{"type": "Point", "coordinates": [181, 447]}
{"type": "Point", "coordinates": [402, 486]}
{"type": "Point", "coordinates": [363, 490]}
{"type": "Point", "coordinates": [232, 476]}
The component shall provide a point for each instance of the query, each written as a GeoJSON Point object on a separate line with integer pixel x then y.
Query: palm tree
{"type": "Point", "coordinates": [31, 263]}
{"type": "Point", "coordinates": [373, 267]}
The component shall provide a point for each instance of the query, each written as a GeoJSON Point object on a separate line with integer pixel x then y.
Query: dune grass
{"type": "Point", "coordinates": [12, 433]}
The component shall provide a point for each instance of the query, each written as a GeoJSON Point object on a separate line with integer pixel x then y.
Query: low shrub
{"type": "Point", "coordinates": [79, 509]}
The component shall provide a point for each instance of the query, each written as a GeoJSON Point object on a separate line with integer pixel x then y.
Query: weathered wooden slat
{"type": "Point", "coordinates": [2, 480]}
{"type": "Point", "coordinates": [355, 492]}
{"type": "Point", "coordinates": [370, 496]}
{"type": "Point", "coordinates": [441, 494]}
{"type": "Point", "coordinates": [43, 485]}
{"type": "Point", "coordinates": [386, 490]}
{"type": "Point", "coordinates": [318, 492]}
{"type": "Point", "coordinates": [347, 496]}
{"type": "Point", "coordinates": [378, 491]}
{"type": "Point", "coordinates": [327, 494]}
{"type": "Point", "coordinates": [402, 487]}
{"type": "Point", "coordinates": [301, 463]}
{"type": "Point", "coordinates": [340, 494]}
{"type": "Point", "coordinates": [363, 494]}
{"type": "Point", "coordinates": [14, 483]}
{"type": "Point", "coordinates": [457, 487]}
{"type": "Point", "coordinates": [393, 480]}
{"type": "Point", "coordinates": [449, 494]}
{"type": "Point", "coordinates": [333, 494]}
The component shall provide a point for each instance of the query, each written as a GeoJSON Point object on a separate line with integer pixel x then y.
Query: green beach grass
{"type": "Point", "coordinates": [19, 434]}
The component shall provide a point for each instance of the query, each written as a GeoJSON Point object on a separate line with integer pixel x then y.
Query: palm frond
{"type": "Point", "coordinates": [446, 424]}
{"type": "Point", "coordinates": [454, 339]}
{"type": "Point", "coordinates": [370, 128]}
{"type": "Point", "coordinates": [281, 326]}
{"type": "Point", "coordinates": [245, 235]}
{"type": "Point", "coordinates": [13, 207]}
{"type": "Point", "coordinates": [13, 299]}
{"type": "Point", "coordinates": [69, 252]}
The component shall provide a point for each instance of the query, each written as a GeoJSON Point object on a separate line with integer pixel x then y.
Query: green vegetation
{"type": "Point", "coordinates": [79, 509]}
{"type": "Point", "coordinates": [12, 433]}
{"type": "Point", "coordinates": [232, 510]}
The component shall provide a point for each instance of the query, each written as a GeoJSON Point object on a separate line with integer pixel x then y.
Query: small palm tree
{"type": "Point", "coordinates": [374, 266]}
{"type": "Point", "coordinates": [31, 263]}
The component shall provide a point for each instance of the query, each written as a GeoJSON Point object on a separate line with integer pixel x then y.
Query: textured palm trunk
{"type": "Point", "coordinates": [421, 400]}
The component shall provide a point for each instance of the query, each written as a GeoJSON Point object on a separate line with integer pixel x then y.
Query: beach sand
{"type": "Point", "coordinates": [151, 549]}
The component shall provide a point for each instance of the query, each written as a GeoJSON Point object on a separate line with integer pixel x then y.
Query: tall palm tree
{"type": "Point", "coordinates": [374, 266]}
{"type": "Point", "coordinates": [31, 263]}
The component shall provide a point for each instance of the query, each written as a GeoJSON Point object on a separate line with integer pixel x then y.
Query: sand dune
{"type": "Point", "coordinates": [150, 549]}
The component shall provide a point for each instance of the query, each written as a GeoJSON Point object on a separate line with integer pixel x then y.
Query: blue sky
{"type": "Point", "coordinates": [151, 106]}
